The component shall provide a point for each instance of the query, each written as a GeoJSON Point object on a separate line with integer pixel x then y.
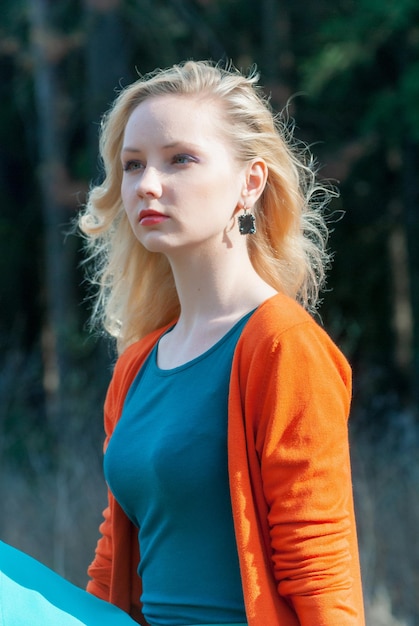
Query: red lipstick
{"type": "Point", "coordinates": [149, 217]}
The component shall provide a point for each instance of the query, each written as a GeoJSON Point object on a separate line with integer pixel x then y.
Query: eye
{"type": "Point", "coordinates": [183, 159]}
{"type": "Point", "coordinates": [132, 166]}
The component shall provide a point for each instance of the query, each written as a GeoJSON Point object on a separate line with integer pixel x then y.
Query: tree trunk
{"type": "Point", "coordinates": [59, 324]}
{"type": "Point", "coordinates": [107, 66]}
{"type": "Point", "coordinates": [411, 203]}
{"type": "Point", "coordinates": [58, 256]}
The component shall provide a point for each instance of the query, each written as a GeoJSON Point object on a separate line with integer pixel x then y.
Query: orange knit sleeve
{"type": "Point", "coordinates": [100, 570]}
{"type": "Point", "coordinates": [302, 443]}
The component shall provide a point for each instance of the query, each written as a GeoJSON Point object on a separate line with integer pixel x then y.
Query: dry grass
{"type": "Point", "coordinates": [386, 485]}
{"type": "Point", "coordinates": [54, 516]}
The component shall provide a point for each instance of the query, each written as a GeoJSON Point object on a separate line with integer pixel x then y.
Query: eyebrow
{"type": "Point", "coordinates": [168, 146]}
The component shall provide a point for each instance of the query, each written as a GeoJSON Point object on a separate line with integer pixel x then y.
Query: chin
{"type": "Point", "coordinates": [155, 244]}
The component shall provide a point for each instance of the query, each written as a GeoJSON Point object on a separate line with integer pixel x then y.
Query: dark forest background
{"type": "Point", "coordinates": [348, 70]}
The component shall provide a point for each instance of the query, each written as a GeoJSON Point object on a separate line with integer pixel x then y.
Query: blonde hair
{"type": "Point", "coordinates": [136, 291]}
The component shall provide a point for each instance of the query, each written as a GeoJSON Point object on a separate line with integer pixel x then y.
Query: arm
{"type": "Point", "coordinates": [100, 570]}
{"type": "Point", "coordinates": [101, 567]}
{"type": "Point", "coordinates": [113, 571]}
{"type": "Point", "coordinates": [302, 443]}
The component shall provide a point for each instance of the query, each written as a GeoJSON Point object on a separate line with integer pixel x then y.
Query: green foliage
{"type": "Point", "coordinates": [355, 62]}
{"type": "Point", "coordinates": [370, 51]}
{"type": "Point", "coordinates": [409, 98]}
{"type": "Point", "coordinates": [361, 74]}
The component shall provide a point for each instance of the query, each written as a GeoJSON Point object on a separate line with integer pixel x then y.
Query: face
{"type": "Point", "coordinates": [181, 184]}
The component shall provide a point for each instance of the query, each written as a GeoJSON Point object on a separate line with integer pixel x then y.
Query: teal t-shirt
{"type": "Point", "coordinates": [166, 465]}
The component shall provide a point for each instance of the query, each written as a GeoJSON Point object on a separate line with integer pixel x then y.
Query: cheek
{"type": "Point", "coordinates": [124, 191]}
{"type": "Point", "coordinates": [127, 198]}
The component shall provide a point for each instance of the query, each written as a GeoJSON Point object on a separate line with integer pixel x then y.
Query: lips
{"type": "Point", "coordinates": [149, 217]}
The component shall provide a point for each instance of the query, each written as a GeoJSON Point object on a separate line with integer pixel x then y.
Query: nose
{"type": "Point", "coordinates": [149, 184]}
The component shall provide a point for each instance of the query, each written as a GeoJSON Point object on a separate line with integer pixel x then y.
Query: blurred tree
{"type": "Point", "coordinates": [362, 74]}
{"type": "Point", "coordinates": [20, 227]}
{"type": "Point", "coordinates": [51, 47]}
{"type": "Point", "coordinates": [356, 64]}
{"type": "Point", "coordinates": [106, 50]}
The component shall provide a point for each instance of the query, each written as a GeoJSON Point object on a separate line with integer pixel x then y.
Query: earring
{"type": "Point", "coordinates": [247, 223]}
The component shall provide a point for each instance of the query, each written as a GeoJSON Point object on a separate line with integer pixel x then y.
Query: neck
{"type": "Point", "coordinates": [217, 287]}
{"type": "Point", "coordinates": [215, 291]}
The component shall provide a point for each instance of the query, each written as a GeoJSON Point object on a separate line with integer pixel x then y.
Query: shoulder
{"type": "Point", "coordinates": [276, 319]}
{"type": "Point", "coordinates": [280, 313]}
{"type": "Point", "coordinates": [282, 330]}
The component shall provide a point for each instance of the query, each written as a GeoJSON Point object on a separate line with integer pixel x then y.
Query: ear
{"type": "Point", "coordinates": [256, 177]}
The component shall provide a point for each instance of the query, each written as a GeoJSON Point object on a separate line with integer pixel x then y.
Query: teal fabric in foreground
{"type": "Point", "coordinates": [33, 595]}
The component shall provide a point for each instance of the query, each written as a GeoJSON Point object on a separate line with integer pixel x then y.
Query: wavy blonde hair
{"type": "Point", "coordinates": [135, 288]}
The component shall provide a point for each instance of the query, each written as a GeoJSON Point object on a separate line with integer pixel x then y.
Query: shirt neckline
{"type": "Point", "coordinates": [200, 357]}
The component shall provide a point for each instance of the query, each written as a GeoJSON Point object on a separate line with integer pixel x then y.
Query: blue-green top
{"type": "Point", "coordinates": [166, 464]}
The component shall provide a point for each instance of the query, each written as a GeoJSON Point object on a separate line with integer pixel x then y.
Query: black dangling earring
{"type": "Point", "coordinates": [247, 223]}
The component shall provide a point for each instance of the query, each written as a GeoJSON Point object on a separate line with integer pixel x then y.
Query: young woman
{"type": "Point", "coordinates": [230, 498]}
{"type": "Point", "coordinates": [227, 450]}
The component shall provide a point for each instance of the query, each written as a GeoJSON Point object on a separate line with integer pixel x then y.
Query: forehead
{"type": "Point", "coordinates": [176, 117]}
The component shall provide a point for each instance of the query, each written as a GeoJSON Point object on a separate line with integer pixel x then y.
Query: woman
{"type": "Point", "coordinates": [226, 418]}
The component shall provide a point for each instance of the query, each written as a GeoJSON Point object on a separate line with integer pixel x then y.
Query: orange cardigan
{"type": "Point", "coordinates": [290, 477]}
